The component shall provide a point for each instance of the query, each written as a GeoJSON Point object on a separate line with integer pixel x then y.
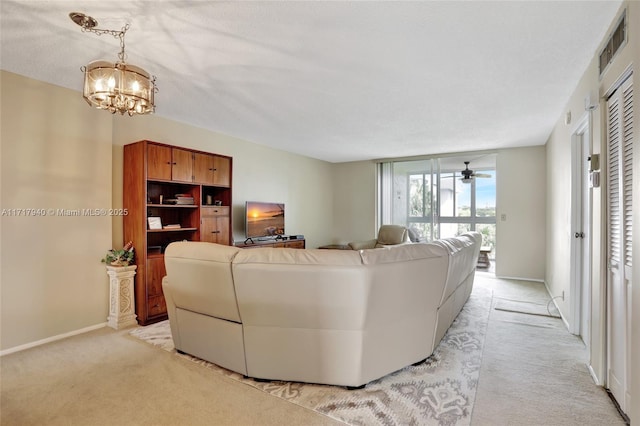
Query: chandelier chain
{"type": "Point", "coordinates": [115, 33]}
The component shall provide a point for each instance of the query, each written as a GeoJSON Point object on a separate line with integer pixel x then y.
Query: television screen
{"type": "Point", "coordinates": [264, 219]}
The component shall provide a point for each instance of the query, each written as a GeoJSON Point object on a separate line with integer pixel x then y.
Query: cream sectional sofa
{"type": "Point", "coordinates": [340, 317]}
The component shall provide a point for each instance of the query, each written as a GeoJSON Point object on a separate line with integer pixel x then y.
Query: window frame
{"type": "Point", "coordinates": [434, 218]}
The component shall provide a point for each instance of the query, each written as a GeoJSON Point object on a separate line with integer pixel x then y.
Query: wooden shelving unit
{"type": "Point", "coordinates": [155, 172]}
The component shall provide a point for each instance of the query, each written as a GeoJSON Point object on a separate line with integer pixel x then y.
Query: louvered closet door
{"type": "Point", "coordinates": [620, 196]}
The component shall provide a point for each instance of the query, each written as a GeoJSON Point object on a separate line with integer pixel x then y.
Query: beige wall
{"type": "Point", "coordinates": [56, 154]}
{"type": "Point", "coordinates": [521, 193]}
{"type": "Point", "coordinates": [354, 201]}
{"type": "Point", "coordinates": [558, 203]}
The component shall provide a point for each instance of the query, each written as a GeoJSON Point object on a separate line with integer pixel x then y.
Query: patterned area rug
{"type": "Point", "coordinates": [439, 391]}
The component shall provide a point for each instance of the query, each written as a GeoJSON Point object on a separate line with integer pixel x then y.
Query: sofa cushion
{"type": "Point", "coordinates": [392, 234]}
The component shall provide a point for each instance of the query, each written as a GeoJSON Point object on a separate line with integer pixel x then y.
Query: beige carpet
{"type": "Point", "coordinates": [108, 378]}
{"type": "Point", "coordinates": [440, 391]}
{"type": "Point", "coordinates": [534, 372]}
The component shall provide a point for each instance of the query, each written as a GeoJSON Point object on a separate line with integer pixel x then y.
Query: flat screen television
{"type": "Point", "coordinates": [264, 219]}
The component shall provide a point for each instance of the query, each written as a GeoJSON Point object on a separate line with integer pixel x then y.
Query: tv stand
{"type": "Point", "coordinates": [282, 243]}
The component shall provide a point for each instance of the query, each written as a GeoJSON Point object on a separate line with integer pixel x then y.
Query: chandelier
{"type": "Point", "coordinates": [116, 87]}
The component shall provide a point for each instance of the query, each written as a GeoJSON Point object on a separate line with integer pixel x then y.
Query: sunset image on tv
{"type": "Point", "coordinates": [264, 219]}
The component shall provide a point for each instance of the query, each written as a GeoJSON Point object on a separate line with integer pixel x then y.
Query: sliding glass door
{"type": "Point", "coordinates": [433, 199]}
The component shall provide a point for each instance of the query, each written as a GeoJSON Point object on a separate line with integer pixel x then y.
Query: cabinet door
{"type": "Point", "coordinates": [215, 225]}
{"type": "Point", "coordinates": [155, 272]}
{"type": "Point", "coordinates": [158, 162]}
{"type": "Point", "coordinates": [203, 168]}
{"type": "Point", "coordinates": [221, 171]}
{"type": "Point", "coordinates": [156, 306]}
{"type": "Point", "coordinates": [182, 165]}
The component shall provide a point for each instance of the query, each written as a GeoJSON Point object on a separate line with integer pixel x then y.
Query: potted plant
{"type": "Point", "coordinates": [122, 257]}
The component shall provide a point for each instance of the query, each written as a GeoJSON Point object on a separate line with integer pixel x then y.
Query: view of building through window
{"type": "Point", "coordinates": [430, 197]}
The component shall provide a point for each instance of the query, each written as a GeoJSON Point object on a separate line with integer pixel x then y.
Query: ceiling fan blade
{"type": "Point", "coordinates": [482, 175]}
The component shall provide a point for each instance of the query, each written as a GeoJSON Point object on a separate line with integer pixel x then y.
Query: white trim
{"type": "Point", "coordinates": [582, 125]}
{"type": "Point", "coordinates": [523, 279]}
{"type": "Point", "coordinates": [616, 84]}
{"type": "Point", "coordinates": [51, 339]}
{"type": "Point", "coordinates": [435, 156]}
{"type": "Point", "coordinates": [562, 317]}
{"type": "Point", "coordinates": [593, 375]}
{"type": "Point", "coordinates": [580, 260]}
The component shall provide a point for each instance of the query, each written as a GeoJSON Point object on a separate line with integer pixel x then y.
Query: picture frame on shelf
{"type": "Point", "coordinates": [154, 223]}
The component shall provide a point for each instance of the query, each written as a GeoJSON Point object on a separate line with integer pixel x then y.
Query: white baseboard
{"type": "Point", "coordinates": [51, 339]}
{"type": "Point", "coordinates": [593, 375]}
{"type": "Point", "coordinates": [519, 278]}
{"type": "Point", "coordinates": [564, 320]}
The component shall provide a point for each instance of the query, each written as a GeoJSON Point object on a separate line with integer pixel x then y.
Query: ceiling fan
{"type": "Point", "coordinates": [468, 174]}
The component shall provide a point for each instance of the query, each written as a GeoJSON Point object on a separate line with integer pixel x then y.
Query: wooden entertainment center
{"type": "Point", "coordinates": [154, 175]}
{"type": "Point", "coordinates": [296, 243]}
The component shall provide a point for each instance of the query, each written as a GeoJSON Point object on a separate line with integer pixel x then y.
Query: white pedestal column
{"type": "Point", "coordinates": [121, 299]}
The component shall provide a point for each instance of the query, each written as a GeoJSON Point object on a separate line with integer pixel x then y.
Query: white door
{"type": "Point", "coordinates": [580, 260]}
{"type": "Point", "coordinates": [619, 201]}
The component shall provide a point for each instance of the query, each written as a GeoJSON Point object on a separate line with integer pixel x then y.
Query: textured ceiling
{"type": "Point", "coordinates": [338, 81]}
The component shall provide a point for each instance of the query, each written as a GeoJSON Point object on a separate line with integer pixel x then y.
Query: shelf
{"type": "Point", "coordinates": [173, 182]}
{"type": "Point", "coordinates": [172, 230]}
{"type": "Point", "coordinates": [180, 206]}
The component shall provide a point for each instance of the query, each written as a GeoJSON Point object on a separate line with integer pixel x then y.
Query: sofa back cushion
{"type": "Point", "coordinates": [201, 279]}
{"type": "Point", "coordinates": [288, 256]}
{"type": "Point", "coordinates": [402, 253]}
{"type": "Point", "coordinates": [306, 289]}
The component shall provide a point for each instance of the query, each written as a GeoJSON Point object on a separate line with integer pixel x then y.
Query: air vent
{"type": "Point", "coordinates": [615, 42]}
